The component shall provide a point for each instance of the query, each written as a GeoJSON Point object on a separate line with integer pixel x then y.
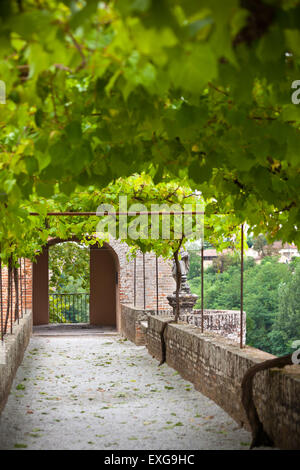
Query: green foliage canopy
{"type": "Point", "coordinates": [196, 91]}
{"type": "Point", "coordinates": [137, 189]}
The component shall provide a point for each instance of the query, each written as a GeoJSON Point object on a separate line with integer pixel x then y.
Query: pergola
{"type": "Point", "coordinates": [20, 281]}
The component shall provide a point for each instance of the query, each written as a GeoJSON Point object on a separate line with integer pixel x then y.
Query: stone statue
{"type": "Point", "coordinates": [184, 266]}
{"type": "Point", "coordinates": [187, 300]}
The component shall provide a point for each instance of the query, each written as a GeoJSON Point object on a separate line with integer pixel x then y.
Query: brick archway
{"type": "Point", "coordinates": [104, 285]}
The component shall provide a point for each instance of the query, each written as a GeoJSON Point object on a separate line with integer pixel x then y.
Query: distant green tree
{"type": "Point", "coordinates": [195, 264]}
{"type": "Point", "coordinates": [286, 327]}
{"type": "Point", "coordinates": [261, 300]}
{"type": "Point", "coordinates": [271, 298]}
{"type": "Point", "coordinates": [69, 269]}
{"type": "Point", "coordinates": [259, 243]}
{"type": "Point", "coordinates": [224, 261]}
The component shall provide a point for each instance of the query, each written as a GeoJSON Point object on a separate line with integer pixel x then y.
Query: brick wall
{"type": "Point", "coordinates": [224, 322]}
{"type": "Point", "coordinates": [166, 283]}
{"type": "Point", "coordinates": [24, 294]}
{"type": "Point", "coordinates": [216, 366]}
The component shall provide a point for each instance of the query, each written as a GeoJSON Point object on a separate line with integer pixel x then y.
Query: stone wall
{"type": "Point", "coordinates": [15, 345]}
{"type": "Point", "coordinates": [223, 322]}
{"type": "Point", "coordinates": [216, 366]}
{"type": "Point", "coordinates": [131, 324]}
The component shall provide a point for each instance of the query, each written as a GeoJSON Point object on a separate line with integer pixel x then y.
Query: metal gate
{"type": "Point", "coordinates": [69, 308]}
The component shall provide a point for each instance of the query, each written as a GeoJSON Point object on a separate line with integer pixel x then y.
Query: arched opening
{"type": "Point", "coordinates": [69, 283]}
{"type": "Point", "coordinates": [104, 286]}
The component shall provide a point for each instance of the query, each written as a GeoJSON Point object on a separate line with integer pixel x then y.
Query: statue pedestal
{"type": "Point", "coordinates": [186, 302]}
{"type": "Point", "coordinates": [186, 299]}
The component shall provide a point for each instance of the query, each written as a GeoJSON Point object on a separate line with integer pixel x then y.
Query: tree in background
{"type": "Point", "coordinates": [223, 262]}
{"type": "Point", "coordinates": [195, 265]}
{"type": "Point", "coordinates": [263, 248]}
{"type": "Point", "coordinates": [271, 298]}
{"type": "Point", "coordinates": [69, 269]}
{"type": "Point", "coordinates": [286, 327]}
{"type": "Point", "coordinates": [259, 244]}
{"type": "Point", "coordinates": [261, 300]}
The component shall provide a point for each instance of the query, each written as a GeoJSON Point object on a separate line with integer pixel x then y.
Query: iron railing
{"type": "Point", "coordinates": [69, 308]}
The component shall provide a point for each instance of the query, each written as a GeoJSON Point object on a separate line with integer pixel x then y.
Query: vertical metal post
{"type": "Point", "coordinates": [1, 301]}
{"type": "Point", "coordinates": [242, 285]}
{"type": "Point", "coordinates": [144, 278]}
{"type": "Point", "coordinates": [134, 283]}
{"type": "Point", "coordinates": [156, 266]}
{"type": "Point", "coordinates": [202, 287]}
{"type": "Point", "coordinates": [21, 294]}
{"type": "Point", "coordinates": [17, 305]}
{"type": "Point", "coordinates": [25, 284]}
{"type": "Point", "coordinates": [11, 295]}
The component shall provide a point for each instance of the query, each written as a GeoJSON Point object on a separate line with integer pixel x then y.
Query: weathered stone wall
{"type": "Point", "coordinates": [216, 366]}
{"type": "Point", "coordinates": [223, 322]}
{"type": "Point", "coordinates": [226, 323]}
{"type": "Point", "coordinates": [15, 346]}
{"type": "Point", "coordinates": [131, 326]}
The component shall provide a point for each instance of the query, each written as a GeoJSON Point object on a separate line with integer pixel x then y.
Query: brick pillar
{"type": "Point", "coordinates": [40, 297]}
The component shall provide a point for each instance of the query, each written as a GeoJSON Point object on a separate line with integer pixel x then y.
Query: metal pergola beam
{"type": "Point", "coordinates": [105, 213]}
{"type": "Point", "coordinates": [202, 287]}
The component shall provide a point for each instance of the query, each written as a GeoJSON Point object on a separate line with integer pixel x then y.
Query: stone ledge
{"type": "Point", "coordinates": [131, 324]}
{"type": "Point", "coordinates": [15, 345]}
{"type": "Point", "coordinates": [216, 366]}
{"type": "Point", "coordinates": [222, 322]}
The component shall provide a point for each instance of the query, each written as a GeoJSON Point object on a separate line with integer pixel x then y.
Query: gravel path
{"type": "Point", "coordinates": [106, 393]}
